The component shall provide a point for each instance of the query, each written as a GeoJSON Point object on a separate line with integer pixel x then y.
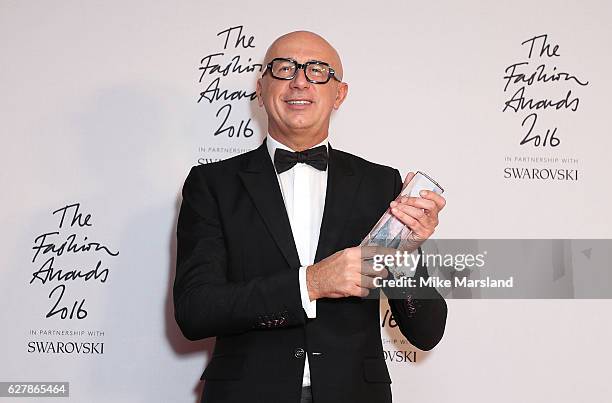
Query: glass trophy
{"type": "Point", "coordinates": [389, 232]}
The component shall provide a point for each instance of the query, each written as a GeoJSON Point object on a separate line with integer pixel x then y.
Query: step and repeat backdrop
{"type": "Point", "coordinates": [105, 106]}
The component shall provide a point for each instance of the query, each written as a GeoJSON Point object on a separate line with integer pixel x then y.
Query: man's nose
{"type": "Point", "coordinates": [299, 81]}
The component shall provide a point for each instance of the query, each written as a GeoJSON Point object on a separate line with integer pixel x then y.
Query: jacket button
{"type": "Point", "coordinates": [299, 353]}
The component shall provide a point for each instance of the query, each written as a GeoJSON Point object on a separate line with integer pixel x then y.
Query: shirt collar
{"type": "Point", "coordinates": [272, 145]}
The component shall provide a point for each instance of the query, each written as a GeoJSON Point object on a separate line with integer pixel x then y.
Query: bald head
{"type": "Point", "coordinates": [298, 108]}
{"type": "Point", "coordinates": [298, 43]}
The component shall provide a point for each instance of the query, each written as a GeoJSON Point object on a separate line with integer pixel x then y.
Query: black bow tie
{"type": "Point", "coordinates": [315, 157]}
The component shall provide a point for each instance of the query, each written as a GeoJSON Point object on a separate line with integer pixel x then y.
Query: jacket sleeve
{"type": "Point", "coordinates": [420, 312]}
{"type": "Point", "coordinates": [206, 304]}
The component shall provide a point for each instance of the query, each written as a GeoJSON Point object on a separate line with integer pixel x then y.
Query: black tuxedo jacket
{"type": "Point", "coordinates": [237, 279]}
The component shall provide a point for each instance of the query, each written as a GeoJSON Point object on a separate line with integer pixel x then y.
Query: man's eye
{"type": "Point", "coordinates": [317, 70]}
{"type": "Point", "coordinates": [285, 69]}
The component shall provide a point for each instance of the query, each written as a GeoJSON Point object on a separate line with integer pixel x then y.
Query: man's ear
{"type": "Point", "coordinates": [341, 94]}
{"type": "Point", "coordinates": [258, 93]}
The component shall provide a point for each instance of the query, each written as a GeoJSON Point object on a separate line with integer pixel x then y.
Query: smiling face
{"type": "Point", "coordinates": [299, 111]}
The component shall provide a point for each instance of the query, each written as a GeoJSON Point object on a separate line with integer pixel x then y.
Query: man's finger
{"type": "Point", "coordinates": [410, 221]}
{"type": "Point", "coordinates": [368, 282]}
{"type": "Point", "coordinates": [368, 252]}
{"type": "Point", "coordinates": [433, 196]}
{"type": "Point", "coordinates": [419, 202]}
{"type": "Point", "coordinates": [416, 213]}
{"type": "Point", "coordinates": [368, 269]}
{"type": "Point", "coordinates": [358, 291]}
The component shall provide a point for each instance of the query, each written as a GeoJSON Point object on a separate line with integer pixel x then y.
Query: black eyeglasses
{"type": "Point", "coordinates": [316, 72]}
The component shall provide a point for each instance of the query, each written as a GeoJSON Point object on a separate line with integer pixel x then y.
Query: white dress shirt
{"type": "Point", "coordinates": [303, 188]}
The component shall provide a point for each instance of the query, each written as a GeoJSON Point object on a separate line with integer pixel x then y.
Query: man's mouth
{"type": "Point", "coordinates": [298, 102]}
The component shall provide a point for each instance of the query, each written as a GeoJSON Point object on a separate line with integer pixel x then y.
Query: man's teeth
{"type": "Point", "coordinates": [299, 102]}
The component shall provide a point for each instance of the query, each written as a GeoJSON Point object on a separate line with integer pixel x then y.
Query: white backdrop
{"type": "Point", "coordinates": [101, 106]}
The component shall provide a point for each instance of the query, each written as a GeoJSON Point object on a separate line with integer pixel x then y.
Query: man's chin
{"type": "Point", "coordinates": [299, 125]}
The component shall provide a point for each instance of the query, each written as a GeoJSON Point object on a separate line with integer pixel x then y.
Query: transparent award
{"type": "Point", "coordinates": [389, 232]}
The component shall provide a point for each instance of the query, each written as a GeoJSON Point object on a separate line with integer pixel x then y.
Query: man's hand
{"type": "Point", "coordinates": [346, 273]}
{"type": "Point", "coordinates": [420, 214]}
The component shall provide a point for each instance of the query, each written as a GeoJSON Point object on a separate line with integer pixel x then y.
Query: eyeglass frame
{"type": "Point", "coordinates": [303, 66]}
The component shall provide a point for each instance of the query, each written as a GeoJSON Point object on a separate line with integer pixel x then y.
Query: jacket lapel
{"type": "Point", "coordinates": [259, 178]}
{"type": "Point", "coordinates": [342, 183]}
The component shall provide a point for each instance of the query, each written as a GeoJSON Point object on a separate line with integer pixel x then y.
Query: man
{"type": "Point", "coordinates": [266, 258]}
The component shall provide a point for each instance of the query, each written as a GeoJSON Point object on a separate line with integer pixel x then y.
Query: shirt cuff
{"type": "Point", "coordinates": [310, 307]}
